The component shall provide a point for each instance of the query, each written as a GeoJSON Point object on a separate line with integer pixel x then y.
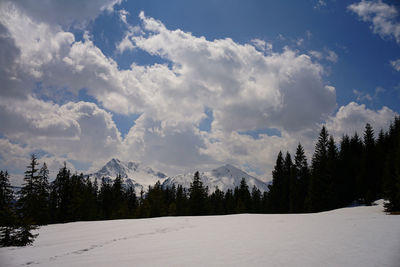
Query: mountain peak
{"type": "Point", "coordinates": [225, 177]}
{"type": "Point", "coordinates": [135, 175]}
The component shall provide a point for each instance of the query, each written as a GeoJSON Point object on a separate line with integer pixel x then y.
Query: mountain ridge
{"type": "Point", "coordinates": [140, 177]}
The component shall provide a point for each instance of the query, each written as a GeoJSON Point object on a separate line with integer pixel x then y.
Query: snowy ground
{"type": "Point", "coordinates": [356, 236]}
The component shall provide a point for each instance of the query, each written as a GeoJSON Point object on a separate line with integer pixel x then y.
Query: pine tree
{"type": "Point", "coordinates": [60, 196]}
{"type": "Point", "coordinates": [217, 202]}
{"type": "Point", "coordinates": [43, 193]}
{"type": "Point", "coordinates": [155, 201]}
{"type": "Point", "coordinates": [197, 196]}
{"type": "Point", "coordinates": [299, 181]}
{"type": "Point", "coordinates": [243, 202]}
{"type": "Point", "coordinates": [391, 173]}
{"type": "Point", "coordinates": [229, 202]}
{"type": "Point", "coordinates": [356, 150]}
{"type": "Point", "coordinates": [368, 172]}
{"type": "Point", "coordinates": [287, 174]}
{"type": "Point", "coordinates": [181, 201]}
{"type": "Point", "coordinates": [6, 200]}
{"type": "Point", "coordinates": [276, 188]}
{"type": "Point", "coordinates": [331, 175]}
{"type": "Point", "coordinates": [130, 195]}
{"type": "Point", "coordinates": [347, 169]}
{"type": "Point", "coordinates": [28, 202]}
{"type": "Point", "coordinates": [317, 199]}
{"type": "Point", "coordinates": [256, 201]}
{"type": "Point", "coordinates": [120, 205]}
{"type": "Point", "coordinates": [8, 218]}
{"type": "Point", "coordinates": [105, 199]}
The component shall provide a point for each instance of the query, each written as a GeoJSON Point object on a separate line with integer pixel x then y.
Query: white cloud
{"type": "Point", "coordinates": [395, 64]}
{"type": "Point", "coordinates": [122, 15]}
{"type": "Point", "coordinates": [332, 56]}
{"type": "Point", "coordinates": [316, 54]}
{"type": "Point", "coordinates": [245, 86]}
{"type": "Point", "coordinates": [272, 92]}
{"type": "Point", "coordinates": [64, 12]}
{"type": "Point", "coordinates": [81, 131]}
{"type": "Point", "coordinates": [327, 54]}
{"type": "Point", "coordinates": [382, 16]}
{"type": "Point", "coordinates": [246, 89]}
{"type": "Point", "coordinates": [362, 96]}
{"type": "Point", "coordinates": [262, 45]}
{"type": "Point", "coordinates": [353, 117]}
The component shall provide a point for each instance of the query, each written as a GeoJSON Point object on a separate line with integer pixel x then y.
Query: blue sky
{"type": "Point", "coordinates": [184, 85]}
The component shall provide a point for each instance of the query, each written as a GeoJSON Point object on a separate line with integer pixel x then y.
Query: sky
{"type": "Point", "coordinates": [190, 85]}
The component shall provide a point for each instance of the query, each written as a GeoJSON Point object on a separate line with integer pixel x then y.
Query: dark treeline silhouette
{"type": "Point", "coordinates": [357, 169]}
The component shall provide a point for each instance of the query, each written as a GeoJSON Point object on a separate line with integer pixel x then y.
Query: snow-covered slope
{"type": "Point", "coordinates": [356, 236]}
{"type": "Point", "coordinates": [134, 174]}
{"type": "Point", "coordinates": [225, 177]}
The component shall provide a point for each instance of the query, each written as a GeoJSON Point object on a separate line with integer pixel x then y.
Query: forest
{"type": "Point", "coordinates": [357, 169]}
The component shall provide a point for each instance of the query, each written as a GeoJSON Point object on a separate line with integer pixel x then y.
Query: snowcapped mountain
{"type": "Point", "coordinates": [140, 177]}
{"type": "Point", "coordinates": [134, 174]}
{"type": "Point", "coordinates": [225, 177]}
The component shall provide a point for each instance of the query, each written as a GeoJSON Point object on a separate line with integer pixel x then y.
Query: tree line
{"type": "Point", "coordinates": [355, 169]}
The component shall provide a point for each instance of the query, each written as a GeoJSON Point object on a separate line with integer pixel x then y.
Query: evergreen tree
{"type": "Point", "coordinates": [197, 196]}
{"type": "Point", "coordinates": [356, 150]}
{"type": "Point", "coordinates": [256, 201]}
{"type": "Point", "coordinates": [119, 203]}
{"type": "Point", "coordinates": [276, 188]}
{"type": "Point", "coordinates": [243, 197]}
{"type": "Point", "coordinates": [217, 202]}
{"type": "Point", "coordinates": [106, 199]}
{"type": "Point", "coordinates": [60, 196]}
{"type": "Point", "coordinates": [331, 175]}
{"type": "Point", "coordinates": [391, 174]}
{"type": "Point", "coordinates": [28, 202]}
{"type": "Point", "coordinates": [229, 202]}
{"type": "Point", "coordinates": [370, 184]}
{"type": "Point", "coordinates": [132, 201]}
{"type": "Point", "coordinates": [155, 201]}
{"type": "Point", "coordinates": [318, 199]}
{"type": "Point", "coordinates": [43, 193]}
{"type": "Point", "coordinates": [8, 218]}
{"type": "Point", "coordinates": [181, 201]}
{"type": "Point", "coordinates": [6, 200]}
{"type": "Point", "coordinates": [287, 174]}
{"type": "Point", "coordinates": [347, 169]}
{"type": "Point", "coordinates": [299, 181]}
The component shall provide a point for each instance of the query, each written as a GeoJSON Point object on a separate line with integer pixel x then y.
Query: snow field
{"type": "Point", "coordinates": [356, 236]}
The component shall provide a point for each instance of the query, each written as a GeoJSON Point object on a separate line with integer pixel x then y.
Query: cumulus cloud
{"type": "Point", "coordinates": [353, 117]}
{"type": "Point", "coordinates": [382, 16]}
{"type": "Point", "coordinates": [79, 131]}
{"type": "Point", "coordinates": [245, 86]}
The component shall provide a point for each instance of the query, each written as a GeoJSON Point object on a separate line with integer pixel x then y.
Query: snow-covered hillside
{"type": "Point", "coordinates": [134, 174]}
{"type": "Point", "coordinates": [356, 236]}
{"type": "Point", "coordinates": [225, 177]}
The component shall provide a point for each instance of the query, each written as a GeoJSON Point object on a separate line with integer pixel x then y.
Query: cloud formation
{"type": "Point", "coordinates": [245, 86]}
{"type": "Point", "coordinates": [66, 13]}
{"type": "Point", "coordinates": [382, 16]}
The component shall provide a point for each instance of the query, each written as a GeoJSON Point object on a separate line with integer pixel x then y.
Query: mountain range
{"type": "Point", "coordinates": [140, 177]}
